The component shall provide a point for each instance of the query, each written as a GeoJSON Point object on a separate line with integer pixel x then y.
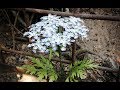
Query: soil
{"type": "Point", "coordinates": [103, 39]}
{"type": "Point", "coordinates": [103, 36]}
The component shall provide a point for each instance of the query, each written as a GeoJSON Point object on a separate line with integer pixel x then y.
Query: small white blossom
{"type": "Point", "coordinates": [45, 34]}
{"type": "Point", "coordinates": [63, 49]}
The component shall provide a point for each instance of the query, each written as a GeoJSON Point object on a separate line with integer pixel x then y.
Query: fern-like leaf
{"type": "Point", "coordinates": [78, 69]}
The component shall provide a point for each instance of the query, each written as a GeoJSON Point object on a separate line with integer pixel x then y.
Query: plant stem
{"type": "Point", "coordinates": [73, 52]}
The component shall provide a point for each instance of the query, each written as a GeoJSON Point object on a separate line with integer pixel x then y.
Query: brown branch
{"type": "Point", "coordinates": [84, 16]}
{"type": "Point", "coordinates": [30, 54]}
{"type": "Point", "coordinates": [20, 20]}
{"type": "Point", "coordinates": [13, 37]}
{"type": "Point", "coordinates": [22, 39]}
{"type": "Point", "coordinates": [10, 23]}
{"type": "Point", "coordinates": [73, 52]}
{"type": "Point", "coordinates": [13, 33]}
{"type": "Point", "coordinates": [55, 59]}
{"type": "Point", "coordinates": [8, 18]}
{"type": "Point", "coordinates": [80, 51]}
{"type": "Point", "coordinates": [16, 18]}
{"type": "Point", "coordinates": [115, 70]}
{"type": "Point", "coordinates": [27, 20]}
{"type": "Point", "coordinates": [16, 29]}
{"type": "Point", "coordinates": [31, 18]}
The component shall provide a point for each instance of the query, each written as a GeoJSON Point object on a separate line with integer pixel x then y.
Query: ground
{"type": "Point", "coordinates": [103, 39]}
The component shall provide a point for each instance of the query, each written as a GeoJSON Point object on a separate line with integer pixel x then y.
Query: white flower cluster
{"type": "Point", "coordinates": [46, 33]}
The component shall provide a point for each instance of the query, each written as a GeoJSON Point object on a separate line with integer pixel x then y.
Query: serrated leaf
{"type": "Point", "coordinates": [71, 79]}
{"type": "Point", "coordinates": [38, 63]}
{"type": "Point", "coordinates": [75, 80]}
{"type": "Point", "coordinates": [77, 74]}
{"type": "Point", "coordinates": [73, 75]}
{"type": "Point", "coordinates": [33, 72]}
{"type": "Point", "coordinates": [67, 80]}
{"type": "Point", "coordinates": [27, 71]}
{"type": "Point", "coordinates": [52, 78]}
{"type": "Point", "coordinates": [56, 53]}
{"type": "Point", "coordinates": [47, 63]}
{"type": "Point", "coordinates": [56, 77]}
{"type": "Point", "coordinates": [34, 60]}
{"type": "Point", "coordinates": [50, 66]}
{"type": "Point", "coordinates": [82, 75]}
{"type": "Point", "coordinates": [43, 59]}
{"type": "Point", "coordinates": [40, 77]}
{"type": "Point", "coordinates": [42, 68]}
{"type": "Point", "coordinates": [70, 66]}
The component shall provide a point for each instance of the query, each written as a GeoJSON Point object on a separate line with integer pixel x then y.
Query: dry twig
{"type": "Point", "coordinates": [84, 16]}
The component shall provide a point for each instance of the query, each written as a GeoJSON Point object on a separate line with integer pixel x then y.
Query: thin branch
{"type": "Point", "coordinates": [80, 51]}
{"type": "Point", "coordinates": [13, 38]}
{"type": "Point", "coordinates": [16, 29]}
{"type": "Point", "coordinates": [30, 54]}
{"type": "Point", "coordinates": [13, 33]}
{"type": "Point", "coordinates": [11, 22]}
{"type": "Point", "coordinates": [31, 18]}
{"type": "Point", "coordinates": [22, 39]}
{"type": "Point", "coordinates": [55, 59]}
{"type": "Point", "coordinates": [73, 52]}
{"type": "Point", "coordinates": [8, 18]}
{"type": "Point", "coordinates": [84, 16]}
{"type": "Point", "coordinates": [20, 20]}
{"type": "Point", "coordinates": [115, 70]}
{"type": "Point", "coordinates": [26, 17]}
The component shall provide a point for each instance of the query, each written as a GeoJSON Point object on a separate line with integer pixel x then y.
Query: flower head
{"type": "Point", "coordinates": [48, 34]}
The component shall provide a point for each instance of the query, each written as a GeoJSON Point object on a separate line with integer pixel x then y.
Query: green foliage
{"type": "Point", "coordinates": [42, 68]}
{"type": "Point", "coordinates": [78, 70]}
{"type": "Point", "coordinates": [53, 53]}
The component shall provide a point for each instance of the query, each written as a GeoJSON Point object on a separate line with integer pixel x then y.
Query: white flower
{"type": "Point", "coordinates": [45, 34]}
{"type": "Point", "coordinates": [35, 47]}
{"type": "Point", "coordinates": [63, 49]}
{"type": "Point", "coordinates": [54, 48]}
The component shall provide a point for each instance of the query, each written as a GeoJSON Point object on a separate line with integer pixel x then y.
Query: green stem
{"type": "Point", "coordinates": [59, 51]}
{"type": "Point", "coordinates": [60, 30]}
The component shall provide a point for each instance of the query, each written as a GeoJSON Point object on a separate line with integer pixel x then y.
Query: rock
{"type": "Point", "coordinates": [29, 78]}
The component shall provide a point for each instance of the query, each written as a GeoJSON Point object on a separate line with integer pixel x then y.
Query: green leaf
{"type": "Point", "coordinates": [34, 60]}
{"type": "Point", "coordinates": [78, 69]}
{"type": "Point", "coordinates": [38, 63]}
{"type": "Point", "coordinates": [50, 66]}
{"type": "Point", "coordinates": [40, 76]}
{"type": "Point", "coordinates": [73, 75]}
{"type": "Point", "coordinates": [52, 78]}
{"type": "Point", "coordinates": [75, 80]}
{"type": "Point", "coordinates": [67, 80]}
{"type": "Point", "coordinates": [43, 59]}
{"type": "Point", "coordinates": [42, 68]}
{"type": "Point", "coordinates": [82, 74]}
{"type": "Point", "coordinates": [56, 53]}
{"type": "Point", "coordinates": [71, 79]}
{"type": "Point", "coordinates": [56, 77]}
